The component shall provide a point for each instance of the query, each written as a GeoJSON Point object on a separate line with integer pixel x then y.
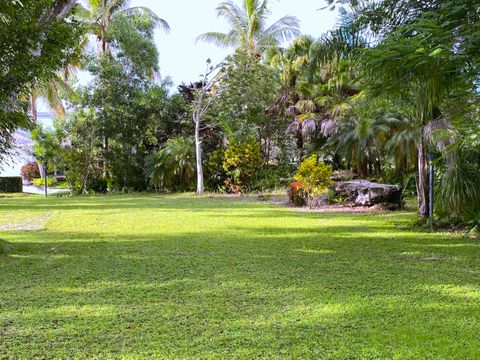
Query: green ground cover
{"type": "Point", "coordinates": [147, 276]}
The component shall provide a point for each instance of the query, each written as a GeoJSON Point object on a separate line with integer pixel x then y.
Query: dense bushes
{"type": "Point", "coordinates": [459, 194]}
{"type": "Point", "coordinates": [99, 185]}
{"type": "Point", "coordinates": [11, 184]}
{"type": "Point", "coordinates": [312, 179]}
{"type": "Point", "coordinates": [30, 171]}
{"type": "Point", "coordinates": [215, 174]}
{"type": "Point", "coordinates": [243, 161]}
{"type": "Point", "coordinates": [40, 182]}
{"type": "Point", "coordinates": [173, 166]}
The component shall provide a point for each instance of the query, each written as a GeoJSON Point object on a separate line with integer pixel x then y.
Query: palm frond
{"type": "Point", "coordinates": [234, 15]}
{"type": "Point", "coordinates": [159, 22]}
{"type": "Point", "coordinates": [220, 39]}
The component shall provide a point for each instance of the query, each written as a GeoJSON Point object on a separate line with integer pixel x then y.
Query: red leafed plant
{"type": "Point", "coordinates": [296, 194]}
{"type": "Point", "coordinates": [232, 187]}
{"type": "Point", "coordinates": [30, 171]}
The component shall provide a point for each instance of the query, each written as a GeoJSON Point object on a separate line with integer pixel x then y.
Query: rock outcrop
{"type": "Point", "coordinates": [366, 193]}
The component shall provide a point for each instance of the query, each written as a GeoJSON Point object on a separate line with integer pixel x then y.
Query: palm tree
{"type": "Point", "coordinates": [248, 27]}
{"type": "Point", "coordinates": [412, 71]}
{"type": "Point", "coordinates": [54, 90]}
{"type": "Point", "coordinates": [173, 166]}
{"type": "Point", "coordinates": [318, 82]}
{"type": "Point", "coordinates": [102, 15]}
{"type": "Point", "coordinates": [291, 65]}
{"type": "Point", "coordinates": [401, 141]}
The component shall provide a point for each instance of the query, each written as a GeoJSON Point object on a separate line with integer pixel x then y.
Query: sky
{"type": "Point", "coordinates": [183, 60]}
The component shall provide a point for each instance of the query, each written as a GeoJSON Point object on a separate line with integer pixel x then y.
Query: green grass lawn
{"type": "Point", "coordinates": [182, 277]}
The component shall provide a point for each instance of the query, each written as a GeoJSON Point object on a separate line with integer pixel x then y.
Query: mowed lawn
{"type": "Point", "coordinates": [149, 276]}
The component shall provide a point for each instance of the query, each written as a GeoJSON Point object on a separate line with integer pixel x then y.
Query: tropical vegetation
{"type": "Point", "coordinates": [377, 96]}
{"type": "Point", "coordinates": [214, 218]}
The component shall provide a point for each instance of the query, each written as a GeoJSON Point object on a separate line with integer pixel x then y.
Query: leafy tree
{"type": "Point", "coordinates": [124, 96]}
{"type": "Point", "coordinates": [203, 98]}
{"type": "Point", "coordinates": [246, 92]}
{"type": "Point", "coordinates": [128, 103]}
{"type": "Point", "coordinates": [249, 30]}
{"type": "Point", "coordinates": [425, 61]}
{"type": "Point", "coordinates": [47, 149]}
{"type": "Point", "coordinates": [412, 67]}
{"type": "Point", "coordinates": [124, 33]}
{"type": "Point", "coordinates": [38, 38]}
{"type": "Point", "coordinates": [80, 148]}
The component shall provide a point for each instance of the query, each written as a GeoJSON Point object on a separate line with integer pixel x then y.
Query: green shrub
{"type": "Point", "coordinates": [215, 174]}
{"type": "Point", "coordinates": [315, 178]}
{"type": "Point", "coordinates": [458, 194]}
{"type": "Point", "coordinates": [242, 163]}
{"type": "Point", "coordinates": [99, 185]}
{"type": "Point", "coordinates": [272, 177]}
{"type": "Point", "coordinates": [40, 182]}
{"type": "Point", "coordinates": [334, 198]}
{"type": "Point", "coordinates": [11, 184]}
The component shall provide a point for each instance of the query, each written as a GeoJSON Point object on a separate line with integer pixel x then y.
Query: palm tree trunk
{"type": "Point", "coordinates": [422, 181]}
{"type": "Point", "coordinates": [300, 144]}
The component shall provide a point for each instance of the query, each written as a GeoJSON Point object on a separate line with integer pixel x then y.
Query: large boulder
{"type": "Point", "coordinates": [366, 193]}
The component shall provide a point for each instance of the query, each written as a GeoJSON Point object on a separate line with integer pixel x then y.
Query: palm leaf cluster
{"type": "Point", "coordinates": [173, 166]}
{"type": "Point", "coordinates": [249, 28]}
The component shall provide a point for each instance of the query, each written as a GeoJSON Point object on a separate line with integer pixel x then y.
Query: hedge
{"type": "Point", "coordinates": [11, 184]}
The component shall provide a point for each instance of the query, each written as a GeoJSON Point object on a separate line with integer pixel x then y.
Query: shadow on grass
{"type": "Point", "coordinates": [352, 290]}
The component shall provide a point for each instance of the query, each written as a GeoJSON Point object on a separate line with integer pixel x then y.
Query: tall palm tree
{"type": "Point", "coordinates": [291, 65]}
{"type": "Point", "coordinates": [249, 28]}
{"type": "Point", "coordinates": [102, 15]}
{"type": "Point", "coordinates": [412, 71]}
{"type": "Point", "coordinates": [318, 82]}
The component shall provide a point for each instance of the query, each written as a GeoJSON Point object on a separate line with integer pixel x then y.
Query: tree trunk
{"type": "Point", "coordinates": [300, 144]}
{"type": "Point", "coordinates": [197, 114]}
{"type": "Point", "coordinates": [58, 10]}
{"type": "Point", "coordinates": [363, 168]}
{"type": "Point", "coordinates": [105, 154]}
{"type": "Point", "coordinates": [198, 153]}
{"type": "Point", "coordinates": [33, 107]}
{"type": "Point", "coordinates": [422, 182]}
{"type": "Point", "coordinates": [378, 167]}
